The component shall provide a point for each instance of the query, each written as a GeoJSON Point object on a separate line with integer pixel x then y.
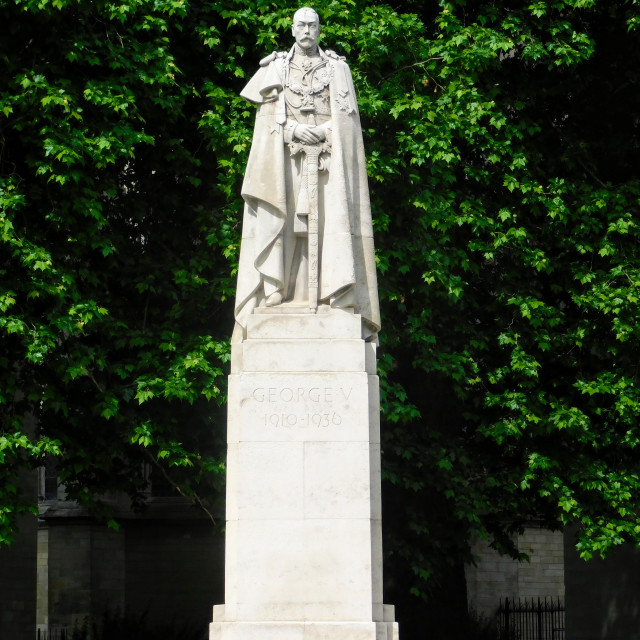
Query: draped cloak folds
{"type": "Point", "coordinates": [347, 272]}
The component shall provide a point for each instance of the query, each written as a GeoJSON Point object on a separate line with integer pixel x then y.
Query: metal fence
{"type": "Point", "coordinates": [531, 619]}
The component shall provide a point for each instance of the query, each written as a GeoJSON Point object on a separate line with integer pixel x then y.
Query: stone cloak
{"type": "Point", "coordinates": [347, 274]}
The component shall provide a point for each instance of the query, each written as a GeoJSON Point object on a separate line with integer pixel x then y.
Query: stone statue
{"type": "Point", "coordinates": [307, 239]}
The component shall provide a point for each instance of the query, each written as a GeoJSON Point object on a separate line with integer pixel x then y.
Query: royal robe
{"type": "Point", "coordinates": [347, 273]}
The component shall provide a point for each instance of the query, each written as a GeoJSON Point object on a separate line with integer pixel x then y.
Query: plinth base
{"type": "Point", "coordinates": [307, 630]}
{"type": "Point", "coordinates": [303, 539]}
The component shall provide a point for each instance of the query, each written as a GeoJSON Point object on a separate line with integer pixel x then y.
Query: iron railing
{"type": "Point", "coordinates": [531, 619]}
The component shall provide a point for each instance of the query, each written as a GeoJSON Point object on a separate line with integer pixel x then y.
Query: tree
{"type": "Point", "coordinates": [515, 289]}
{"type": "Point", "coordinates": [502, 142]}
{"type": "Point", "coordinates": [115, 281]}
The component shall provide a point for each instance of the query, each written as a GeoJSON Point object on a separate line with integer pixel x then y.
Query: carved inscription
{"type": "Point", "coordinates": [297, 394]}
{"type": "Point", "coordinates": [301, 407]}
{"type": "Point", "coordinates": [291, 420]}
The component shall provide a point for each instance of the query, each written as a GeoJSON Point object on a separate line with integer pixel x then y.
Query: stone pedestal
{"type": "Point", "coordinates": [303, 539]}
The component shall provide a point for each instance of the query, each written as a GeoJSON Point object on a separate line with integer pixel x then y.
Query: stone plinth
{"type": "Point", "coordinates": [303, 539]}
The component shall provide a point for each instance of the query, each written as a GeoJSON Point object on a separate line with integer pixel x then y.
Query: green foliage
{"type": "Point", "coordinates": [506, 196]}
{"type": "Point", "coordinates": [502, 145]}
{"type": "Point", "coordinates": [115, 283]}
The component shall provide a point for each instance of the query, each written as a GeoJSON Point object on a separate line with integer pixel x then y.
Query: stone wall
{"type": "Point", "coordinates": [18, 566]}
{"type": "Point", "coordinates": [544, 574]}
{"type": "Point", "coordinates": [603, 596]}
{"type": "Point", "coordinates": [495, 576]}
{"type": "Point", "coordinates": [18, 582]}
{"type": "Point", "coordinates": [42, 589]}
{"type": "Point", "coordinates": [85, 565]}
{"type": "Point", "coordinates": [174, 571]}
{"type": "Point", "coordinates": [169, 570]}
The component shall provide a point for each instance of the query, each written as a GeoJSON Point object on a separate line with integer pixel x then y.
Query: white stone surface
{"type": "Point", "coordinates": [299, 570]}
{"type": "Point", "coordinates": [262, 486]}
{"type": "Point", "coordinates": [303, 407]}
{"type": "Point", "coordinates": [343, 630]}
{"type": "Point", "coordinates": [305, 355]}
{"type": "Point", "coordinates": [304, 542]}
{"type": "Point", "coordinates": [337, 480]}
{"type": "Point", "coordinates": [298, 326]}
{"type": "Point", "coordinates": [370, 354]}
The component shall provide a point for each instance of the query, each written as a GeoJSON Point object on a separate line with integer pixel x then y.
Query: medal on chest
{"type": "Point", "coordinates": [308, 81]}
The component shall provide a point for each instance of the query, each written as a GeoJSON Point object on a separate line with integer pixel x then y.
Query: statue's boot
{"type": "Point", "coordinates": [274, 299]}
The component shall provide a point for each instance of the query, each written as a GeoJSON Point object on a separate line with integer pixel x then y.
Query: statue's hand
{"type": "Point", "coordinates": [308, 134]}
{"type": "Point", "coordinates": [321, 132]}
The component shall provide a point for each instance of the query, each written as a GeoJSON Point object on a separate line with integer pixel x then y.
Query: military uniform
{"type": "Point", "coordinates": [292, 89]}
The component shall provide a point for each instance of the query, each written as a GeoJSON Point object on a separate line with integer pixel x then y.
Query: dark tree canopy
{"type": "Point", "coordinates": [503, 154]}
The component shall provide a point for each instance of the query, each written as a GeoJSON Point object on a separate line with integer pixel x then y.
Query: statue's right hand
{"type": "Point", "coordinates": [307, 134]}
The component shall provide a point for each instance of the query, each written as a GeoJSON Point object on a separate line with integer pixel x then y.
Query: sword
{"type": "Point", "coordinates": [312, 152]}
{"type": "Point", "coordinates": [310, 204]}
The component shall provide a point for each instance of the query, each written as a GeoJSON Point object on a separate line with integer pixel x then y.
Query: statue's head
{"type": "Point", "coordinates": [306, 27]}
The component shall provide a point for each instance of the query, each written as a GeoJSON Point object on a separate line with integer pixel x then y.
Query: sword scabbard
{"type": "Point", "coordinates": [312, 153]}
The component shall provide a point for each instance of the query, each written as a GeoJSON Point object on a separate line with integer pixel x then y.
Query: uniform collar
{"type": "Point", "coordinates": [306, 53]}
{"type": "Point", "coordinates": [294, 50]}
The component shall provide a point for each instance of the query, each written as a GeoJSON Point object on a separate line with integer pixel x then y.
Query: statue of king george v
{"type": "Point", "coordinates": [306, 101]}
